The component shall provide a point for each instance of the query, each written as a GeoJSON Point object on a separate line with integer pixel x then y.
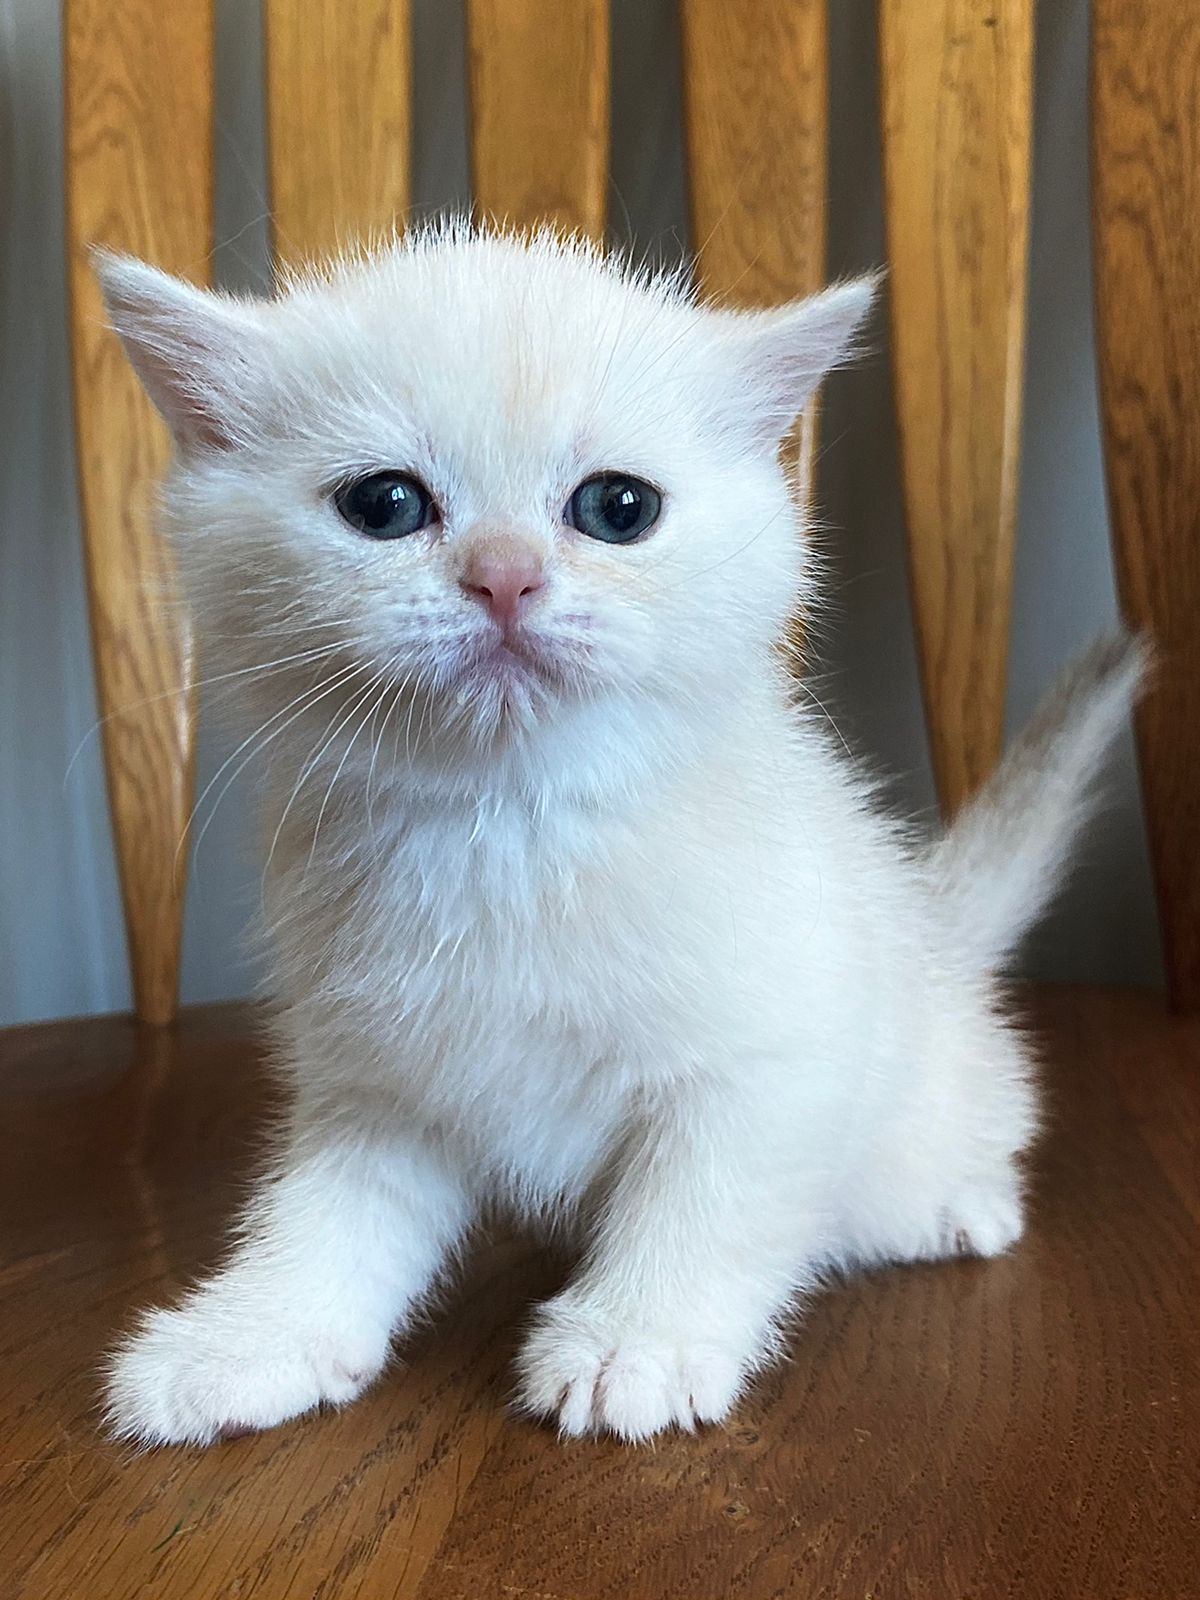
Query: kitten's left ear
{"type": "Point", "coordinates": [781, 356]}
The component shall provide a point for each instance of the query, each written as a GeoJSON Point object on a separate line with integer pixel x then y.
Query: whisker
{"type": "Point", "coordinates": [307, 768]}
{"type": "Point", "coordinates": [262, 667]}
{"type": "Point", "coordinates": [377, 744]}
{"type": "Point", "coordinates": [310, 697]}
{"type": "Point", "coordinates": [810, 693]}
{"type": "Point", "coordinates": [365, 693]}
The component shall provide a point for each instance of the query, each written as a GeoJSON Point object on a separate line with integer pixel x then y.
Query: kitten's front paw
{"type": "Point", "coordinates": [590, 1374]}
{"type": "Point", "coordinates": [200, 1370]}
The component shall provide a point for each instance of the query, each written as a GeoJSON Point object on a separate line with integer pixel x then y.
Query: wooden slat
{"type": "Point", "coordinates": [1146, 215]}
{"type": "Point", "coordinates": [539, 111]}
{"type": "Point", "coordinates": [756, 93]}
{"type": "Point", "coordinates": [339, 122]}
{"type": "Point", "coordinates": [957, 81]}
{"type": "Point", "coordinates": [139, 178]}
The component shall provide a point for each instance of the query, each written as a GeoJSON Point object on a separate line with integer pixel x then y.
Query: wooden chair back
{"type": "Point", "coordinates": [957, 116]}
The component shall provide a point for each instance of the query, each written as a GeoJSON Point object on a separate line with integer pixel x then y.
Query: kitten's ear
{"type": "Point", "coordinates": [198, 354]}
{"type": "Point", "coordinates": [782, 355]}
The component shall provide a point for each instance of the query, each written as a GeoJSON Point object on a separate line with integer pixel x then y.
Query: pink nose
{"type": "Point", "coordinates": [504, 579]}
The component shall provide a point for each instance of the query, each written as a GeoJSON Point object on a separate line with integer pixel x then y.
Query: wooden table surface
{"type": "Point", "coordinates": [1027, 1428]}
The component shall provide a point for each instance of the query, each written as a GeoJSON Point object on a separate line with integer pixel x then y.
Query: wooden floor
{"type": "Point", "coordinates": [1027, 1428]}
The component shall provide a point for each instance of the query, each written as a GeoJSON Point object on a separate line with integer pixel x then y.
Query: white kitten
{"type": "Point", "coordinates": [570, 908]}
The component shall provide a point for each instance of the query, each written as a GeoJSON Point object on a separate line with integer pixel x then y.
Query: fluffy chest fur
{"type": "Point", "coordinates": [523, 972]}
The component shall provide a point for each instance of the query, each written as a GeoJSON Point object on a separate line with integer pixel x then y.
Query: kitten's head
{"type": "Point", "coordinates": [483, 486]}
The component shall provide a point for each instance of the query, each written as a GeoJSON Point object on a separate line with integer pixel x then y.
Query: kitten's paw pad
{"type": "Point", "coordinates": [593, 1378]}
{"type": "Point", "coordinates": [983, 1221]}
{"type": "Point", "coordinates": [196, 1373]}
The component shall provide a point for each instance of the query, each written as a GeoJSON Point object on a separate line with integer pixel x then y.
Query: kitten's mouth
{"type": "Point", "coordinates": [520, 662]}
{"type": "Point", "coordinates": [524, 652]}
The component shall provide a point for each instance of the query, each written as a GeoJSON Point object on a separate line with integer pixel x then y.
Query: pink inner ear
{"type": "Point", "coordinates": [179, 399]}
{"type": "Point", "coordinates": [211, 437]}
{"type": "Point", "coordinates": [196, 427]}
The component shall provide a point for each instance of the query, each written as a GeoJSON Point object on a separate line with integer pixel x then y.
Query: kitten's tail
{"type": "Point", "coordinates": [1002, 859]}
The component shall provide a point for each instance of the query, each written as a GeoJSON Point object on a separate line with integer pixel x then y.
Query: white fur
{"type": "Point", "coordinates": [616, 938]}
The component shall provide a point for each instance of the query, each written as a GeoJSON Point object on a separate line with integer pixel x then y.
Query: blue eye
{"type": "Point", "coordinates": [613, 507]}
{"type": "Point", "coordinates": [387, 505]}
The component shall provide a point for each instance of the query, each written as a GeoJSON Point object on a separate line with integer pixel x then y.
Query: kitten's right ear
{"type": "Point", "coordinates": [194, 350]}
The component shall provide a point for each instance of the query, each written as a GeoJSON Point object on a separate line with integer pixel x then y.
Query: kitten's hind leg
{"type": "Point", "coordinates": [982, 1218]}
{"type": "Point", "coordinates": [337, 1244]}
{"type": "Point", "coordinates": [944, 1177]}
{"type": "Point", "coordinates": [897, 1217]}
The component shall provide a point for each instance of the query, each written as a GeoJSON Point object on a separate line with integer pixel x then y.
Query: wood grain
{"type": "Point", "coordinates": [756, 92]}
{"type": "Point", "coordinates": [957, 86]}
{"type": "Point", "coordinates": [1146, 218]}
{"type": "Point", "coordinates": [139, 179]}
{"type": "Point", "coordinates": [539, 111]}
{"type": "Point", "coordinates": [1024, 1429]}
{"type": "Point", "coordinates": [339, 115]}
